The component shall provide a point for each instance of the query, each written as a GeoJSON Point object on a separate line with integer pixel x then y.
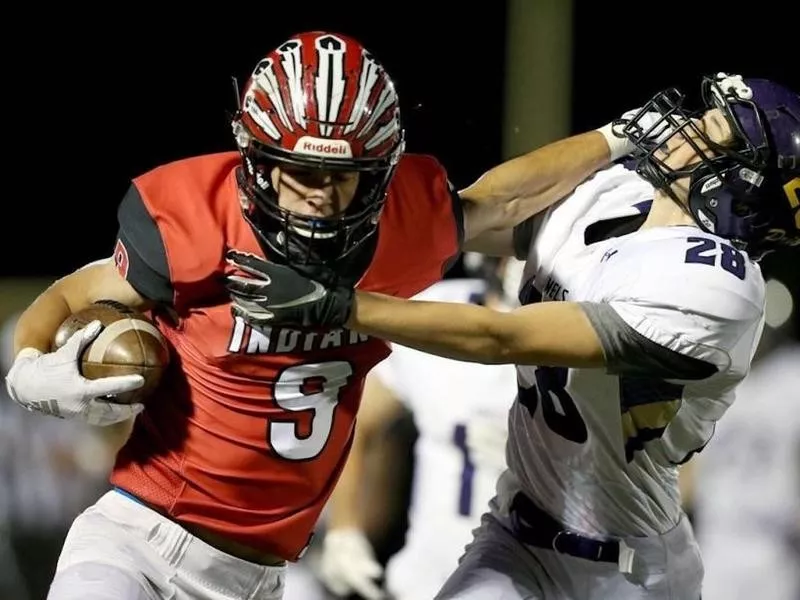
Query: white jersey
{"type": "Point", "coordinates": [461, 412]}
{"type": "Point", "coordinates": [747, 490]}
{"type": "Point", "coordinates": [598, 449]}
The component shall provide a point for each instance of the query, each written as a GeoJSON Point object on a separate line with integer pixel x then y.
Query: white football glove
{"type": "Point", "coordinates": [620, 145]}
{"type": "Point", "coordinates": [348, 564]}
{"type": "Point", "coordinates": [51, 383]}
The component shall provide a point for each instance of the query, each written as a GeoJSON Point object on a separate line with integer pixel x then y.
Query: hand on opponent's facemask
{"type": "Point", "coordinates": [273, 294]}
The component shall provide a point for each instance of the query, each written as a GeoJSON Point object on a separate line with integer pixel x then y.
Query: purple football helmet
{"type": "Point", "coordinates": [749, 192]}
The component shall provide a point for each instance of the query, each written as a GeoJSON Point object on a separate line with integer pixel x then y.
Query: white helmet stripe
{"type": "Point", "coordinates": [366, 81]}
{"type": "Point", "coordinates": [382, 135]}
{"type": "Point", "coordinates": [330, 83]}
{"type": "Point", "coordinates": [290, 61]}
{"type": "Point", "coordinates": [267, 81]}
{"type": "Point", "coordinates": [387, 98]}
{"type": "Point", "coordinates": [259, 116]}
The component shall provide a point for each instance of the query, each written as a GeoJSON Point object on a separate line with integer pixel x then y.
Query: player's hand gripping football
{"type": "Point", "coordinates": [274, 294]}
{"type": "Point", "coordinates": [348, 565]}
{"type": "Point", "coordinates": [51, 383]}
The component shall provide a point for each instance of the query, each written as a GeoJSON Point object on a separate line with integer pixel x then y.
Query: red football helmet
{"type": "Point", "coordinates": [319, 100]}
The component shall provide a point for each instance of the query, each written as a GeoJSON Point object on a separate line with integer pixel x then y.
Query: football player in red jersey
{"type": "Point", "coordinates": [225, 473]}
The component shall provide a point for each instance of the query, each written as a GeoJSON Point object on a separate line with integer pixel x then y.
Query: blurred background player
{"type": "Point", "coordinates": [460, 411]}
{"type": "Point", "coordinates": [746, 482]}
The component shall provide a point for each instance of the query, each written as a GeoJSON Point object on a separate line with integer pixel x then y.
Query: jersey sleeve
{"type": "Point", "coordinates": [629, 352]}
{"type": "Point", "coordinates": [658, 313]}
{"type": "Point", "coordinates": [448, 209]}
{"type": "Point", "coordinates": [421, 227]}
{"type": "Point", "coordinates": [457, 206]}
{"type": "Point", "coordinates": [140, 253]}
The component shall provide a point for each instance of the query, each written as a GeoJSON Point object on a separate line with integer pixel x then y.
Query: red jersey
{"type": "Point", "coordinates": [250, 429]}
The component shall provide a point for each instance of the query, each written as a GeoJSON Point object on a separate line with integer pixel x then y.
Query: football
{"type": "Point", "coordinates": [129, 343]}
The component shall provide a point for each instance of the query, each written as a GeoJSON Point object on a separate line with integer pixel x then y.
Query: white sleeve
{"type": "Point", "coordinates": [695, 310]}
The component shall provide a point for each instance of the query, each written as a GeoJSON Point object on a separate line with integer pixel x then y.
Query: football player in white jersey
{"type": "Point", "coordinates": [653, 305]}
{"type": "Point", "coordinates": [460, 410]}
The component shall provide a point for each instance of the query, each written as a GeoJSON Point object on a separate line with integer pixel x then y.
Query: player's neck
{"type": "Point", "coordinates": [665, 212]}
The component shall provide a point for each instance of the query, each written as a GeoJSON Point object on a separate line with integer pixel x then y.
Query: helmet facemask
{"type": "Point", "coordinates": [316, 245]}
{"type": "Point", "coordinates": [730, 187]}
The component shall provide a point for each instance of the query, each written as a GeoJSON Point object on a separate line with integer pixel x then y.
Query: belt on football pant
{"type": "Point", "coordinates": [536, 528]}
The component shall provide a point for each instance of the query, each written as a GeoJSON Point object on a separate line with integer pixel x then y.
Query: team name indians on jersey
{"type": "Point", "coordinates": [246, 339]}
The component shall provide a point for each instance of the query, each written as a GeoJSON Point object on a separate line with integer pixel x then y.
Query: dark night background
{"type": "Point", "coordinates": [111, 95]}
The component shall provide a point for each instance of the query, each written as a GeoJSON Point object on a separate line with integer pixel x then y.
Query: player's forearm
{"type": "Point", "coordinates": [96, 281]}
{"type": "Point", "coordinates": [38, 323]}
{"type": "Point", "coordinates": [551, 333]}
{"type": "Point", "coordinates": [459, 331]}
{"type": "Point", "coordinates": [528, 184]}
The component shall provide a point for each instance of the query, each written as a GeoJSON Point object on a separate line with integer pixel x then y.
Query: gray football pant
{"type": "Point", "coordinates": [498, 566]}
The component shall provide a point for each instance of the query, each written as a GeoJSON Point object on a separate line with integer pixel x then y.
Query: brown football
{"type": "Point", "coordinates": [128, 344]}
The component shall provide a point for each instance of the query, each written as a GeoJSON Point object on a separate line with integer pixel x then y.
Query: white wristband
{"type": "Point", "coordinates": [618, 146]}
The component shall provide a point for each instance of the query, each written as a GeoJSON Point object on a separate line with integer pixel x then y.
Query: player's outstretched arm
{"type": "Point", "coordinates": [517, 189]}
{"type": "Point", "coordinates": [550, 333]}
{"type": "Point", "coordinates": [511, 192]}
{"type": "Point", "coordinates": [521, 187]}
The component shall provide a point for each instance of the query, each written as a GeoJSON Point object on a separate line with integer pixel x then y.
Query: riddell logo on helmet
{"type": "Point", "coordinates": [322, 147]}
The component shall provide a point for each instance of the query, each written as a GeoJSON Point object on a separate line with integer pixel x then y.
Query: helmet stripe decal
{"type": "Point", "coordinates": [319, 93]}
{"type": "Point", "coordinates": [384, 133]}
{"type": "Point", "coordinates": [261, 118]}
{"type": "Point", "coordinates": [388, 98]}
{"type": "Point", "coordinates": [366, 82]}
{"type": "Point", "coordinates": [266, 80]}
{"type": "Point", "coordinates": [291, 63]}
{"type": "Point", "coordinates": [330, 83]}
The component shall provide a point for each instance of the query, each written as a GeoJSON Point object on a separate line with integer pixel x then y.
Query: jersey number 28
{"type": "Point", "coordinates": [705, 251]}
